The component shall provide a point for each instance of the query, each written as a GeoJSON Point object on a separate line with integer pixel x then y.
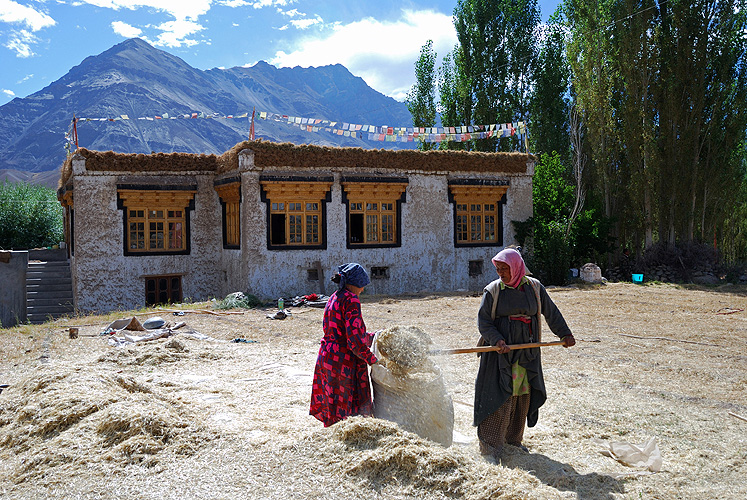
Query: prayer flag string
{"type": "Point", "coordinates": [383, 133]}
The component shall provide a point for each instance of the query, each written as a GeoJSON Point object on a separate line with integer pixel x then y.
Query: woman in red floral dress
{"type": "Point", "coordinates": [342, 387]}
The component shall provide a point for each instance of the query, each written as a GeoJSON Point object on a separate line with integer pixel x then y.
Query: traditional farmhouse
{"type": "Point", "coordinates": [275, 220]}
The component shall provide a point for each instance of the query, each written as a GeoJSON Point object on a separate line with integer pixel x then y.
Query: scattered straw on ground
{"type": "Point", "coordinates": [183, 418]}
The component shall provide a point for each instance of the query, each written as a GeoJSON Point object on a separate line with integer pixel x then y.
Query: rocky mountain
{"type": "Point", "coordinates": [135, 79]}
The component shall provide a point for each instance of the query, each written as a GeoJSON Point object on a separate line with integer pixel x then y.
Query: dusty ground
{"type": "Point", "coordinates": [189, 418]}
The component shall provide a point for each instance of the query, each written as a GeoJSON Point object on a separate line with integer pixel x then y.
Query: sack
{"type": "Point", "coordinates": [417, 401]}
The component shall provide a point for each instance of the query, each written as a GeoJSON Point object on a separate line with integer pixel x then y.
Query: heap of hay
{"type": "Point", "coordinates": [385, 456]}
{"type": "Point", "coordinates": [404, 350]}
{"type": "Point", "coordinates": [408, 387]}
{"type": "Point", "coordinates": [65, 421]}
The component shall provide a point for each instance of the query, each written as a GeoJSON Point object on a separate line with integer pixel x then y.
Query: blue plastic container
{"type": "Point", "coordinates": [637, 278]}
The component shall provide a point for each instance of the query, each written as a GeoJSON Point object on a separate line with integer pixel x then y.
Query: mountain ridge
{"type": "Point", "coordinates": [135, 79]}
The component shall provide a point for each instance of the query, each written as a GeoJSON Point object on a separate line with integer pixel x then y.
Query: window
{"type": "Point", "coordinates": [476, 222]}
{"type": "Point", "coordinates": [295, 223]}
{"type": "Point", "coordinates": [156, 221]}
{"type": "Point", "coordinates": [475, 268]}
{"type": "Point", "coordinates": [380, 273]}
{"type": "Point", "coordinates": [230, 200]}
{"type": "Point", "coordinates": [373, 211]}
{"type": "Point", "coordinates": [163, 290]}
{"type": "Point", "coordinates": [372, 222]}
{"type": "Point", "coordinates": [154, 230]}
{"type": "Point", "coordinates": [296, 212]}
{"type": "Point", "coordinates": [66, 200]}
{"type": "Point", "coordinates": [478, 214]}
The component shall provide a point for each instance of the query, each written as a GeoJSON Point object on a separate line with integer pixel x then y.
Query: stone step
{"type": "Point", "coordinates": [59, 254]}
{"type": "Point", "coordinates": [49, 286]}
{"type": "Point", "coordinates": [49, 280]}
{"type": "Point", "coordinates": [37, 287]}
{"type": "Point", "coordinates": [45, 313]}
{"type": "Point", "coordinates": [49, 299]}
{"type": "Point", "coordinates": [65, 293]}
{"type": "Point", "coordinates": [47, 274]}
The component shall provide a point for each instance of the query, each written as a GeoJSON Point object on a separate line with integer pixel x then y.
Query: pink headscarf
{"type": "Point", "coordinates": [514, 261]}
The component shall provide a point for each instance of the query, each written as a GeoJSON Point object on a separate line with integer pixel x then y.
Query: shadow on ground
{"type": "Point", "coordinates": [562, 476]}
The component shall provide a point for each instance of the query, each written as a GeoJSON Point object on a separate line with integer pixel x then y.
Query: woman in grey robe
{"type": "Point", "coordinates": [510, 389]}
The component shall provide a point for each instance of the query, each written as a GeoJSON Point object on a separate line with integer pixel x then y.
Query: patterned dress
{"type": "Point", "coordinates": [341, 383]}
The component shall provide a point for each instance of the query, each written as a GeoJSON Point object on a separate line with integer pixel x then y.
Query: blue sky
{"type": "Point", "coordinates": [40, 40]}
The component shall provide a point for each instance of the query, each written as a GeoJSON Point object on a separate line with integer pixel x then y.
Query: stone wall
{"type": "Point", "coordinates": [104, 278]}
{"type": "Point", "coordinates": [13, 266]}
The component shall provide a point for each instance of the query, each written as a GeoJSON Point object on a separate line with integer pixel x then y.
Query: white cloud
{"type": "Point", "coordinates": [259, 4]}
{"type": "Point", "coordinates": [382, 53]}
{"type": "Point", "coordinates": [126, 30]}
{"type": "Point", "coordinates": [290, 13]}
{"type": "Point", "coordinates": [234, 3]}
{"type": "Point", "coordinates": [9, 93]}
{"type": "Point", "coordinates": [179, 9]}
{"type": "Point", "coordinates": [20, 42]}
{"type": "Point", "coordinates": [12, 12]}
{"type": "Point", "coordinates": [25, 78]}
{"type": "Point", "coordinates": [303, 24]}
{"type": "Point", "coordinates": [175, 33]}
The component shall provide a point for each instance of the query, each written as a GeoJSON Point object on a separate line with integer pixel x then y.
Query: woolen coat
{"type": "Point", "coordinates": [494, 384]}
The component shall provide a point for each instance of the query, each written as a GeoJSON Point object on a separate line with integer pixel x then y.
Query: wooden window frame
{"type": "Point", "coordinates": [66, 199]}
{"type": "Point", "coordinates": [290, 197]}
{"type": "Point", "coordinates": [170, 289]}
{"type": "Point", "coordinates": [373, 200]}
{"type": "Point", "coordinates": [229, 194]}
{"type": "Point", "coordinates": [147, 202]}
{"type": "Point", "coordinates": [473, 203]}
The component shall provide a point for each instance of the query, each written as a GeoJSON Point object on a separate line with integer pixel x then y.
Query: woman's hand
{"type": "Point", "coordinates": [569, 341]}
{"type": "Point", "coordinates": [503, 347]}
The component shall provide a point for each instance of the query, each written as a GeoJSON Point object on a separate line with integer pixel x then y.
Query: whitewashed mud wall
{"type": "Point", "coordinates": [105, 279]}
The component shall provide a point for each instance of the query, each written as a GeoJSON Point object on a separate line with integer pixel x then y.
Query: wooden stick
{"type": "Point", "coordinates": [202, 311]}
{"type": "Point", "coordinates": [740, 417]}
{"type": "Point", "coordinates": [671, 340]}
{"type": "Point", "coordinates": [490, 348]}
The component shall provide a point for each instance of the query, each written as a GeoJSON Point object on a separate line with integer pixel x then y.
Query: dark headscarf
{"type": "Point", "coordinates": [352, 274]}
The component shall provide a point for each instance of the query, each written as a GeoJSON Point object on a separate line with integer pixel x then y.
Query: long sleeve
{"type": "Point", "coordinates": [355, 329]}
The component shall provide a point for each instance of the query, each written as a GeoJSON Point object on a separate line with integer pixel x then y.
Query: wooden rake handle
{"type": "Point", "coordinates": [490, 348]}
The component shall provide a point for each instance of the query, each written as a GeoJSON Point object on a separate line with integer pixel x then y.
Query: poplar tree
{"type": "Point", "coordinates": [497, 42]}
{"type": "Point", "coordinates": [549, 105]}
{"type": "Point", "coordinates": [421, 100]}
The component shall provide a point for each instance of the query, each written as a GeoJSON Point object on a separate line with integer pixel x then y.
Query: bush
{"type": "Point", "coordinates": [238, 300]}
{"type": "Point", "coordinates": [30, 216]}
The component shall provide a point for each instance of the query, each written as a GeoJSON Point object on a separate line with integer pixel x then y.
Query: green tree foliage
{"type": "Point", "coordinates": [498, 54]}
{"type": "Point", "coordinates": [549, 105]}
{"type": "Point", "coordinates": [421, 100]}
{"type": "Point", "coordinates": [30, 216]}
{"type": "Point", "coordinates": [554, 249]}
{"type": "Point", "coordinates": [453, 89]}
{"type": "Point", "coordinates": [662, 87]}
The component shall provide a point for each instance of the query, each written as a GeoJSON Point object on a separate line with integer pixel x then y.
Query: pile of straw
{"type": "Point", "coordinates": [404, 350]}
{"type": "Point", "coordinates": [65, 419]}
{"type": "Point", "coordinates": [383, 455]}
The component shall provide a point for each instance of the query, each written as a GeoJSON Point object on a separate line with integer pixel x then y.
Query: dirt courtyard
{"type": "Point", "coordinates": [198, 416]}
